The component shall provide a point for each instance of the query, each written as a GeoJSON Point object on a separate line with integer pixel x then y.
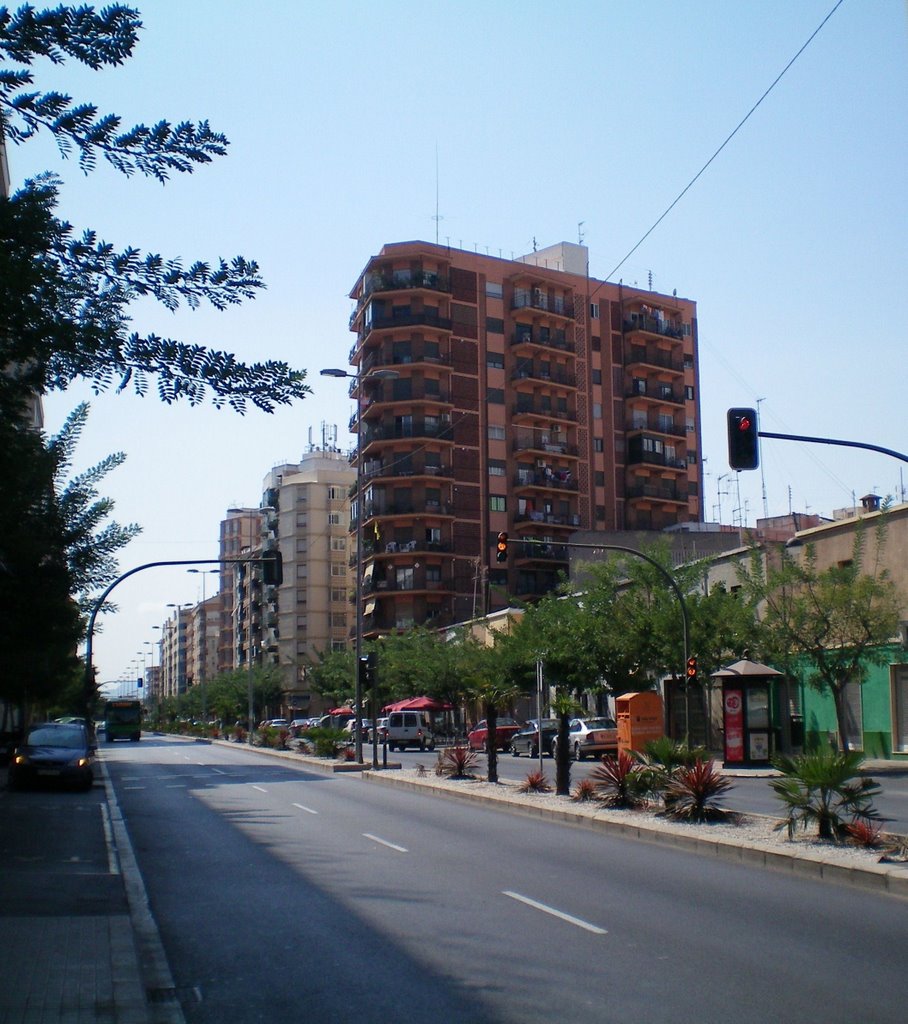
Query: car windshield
{"type": "Point", "coordinates": [599, 723]}
{"type": "Point", "coordinates": [59, 736]}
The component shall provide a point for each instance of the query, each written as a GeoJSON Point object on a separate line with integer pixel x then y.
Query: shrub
{"type": "Point", "coordinates": [693, 792]}
{"type": "Point", "coordinates": [327, 742]}
{"type": "Point", "coordinates": [826, 788]}
{"type": "Point", "coordinates": [620, 781]}
{"type": "Point", "coordinates": [584, 791]}
{"type": "Point", "coordinates": [535, 782]}
{"type": "Point", "coordinates": [457, 763]}
{"type": "Point", "coordinates": [865, 833]}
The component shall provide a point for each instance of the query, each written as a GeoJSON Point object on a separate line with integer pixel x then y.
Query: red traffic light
{"type": "Point", "coordinates": [692, 670]}
{"type": "Point", "coordinates": [502, 548]}
{"type": "Point", "coordinates": [743, 439]}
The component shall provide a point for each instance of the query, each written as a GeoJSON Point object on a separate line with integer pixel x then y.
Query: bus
{"type": "Point", "coordinates": [124, 719]}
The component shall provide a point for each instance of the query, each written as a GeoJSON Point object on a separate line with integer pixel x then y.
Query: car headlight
{"type": "Point", "coordinates": [79, 762]}
{"type": "Point", "coordinates": [20, 759]}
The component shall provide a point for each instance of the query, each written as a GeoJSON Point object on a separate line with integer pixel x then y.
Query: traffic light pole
{"type": "Point", "coordinates": [831, 440]}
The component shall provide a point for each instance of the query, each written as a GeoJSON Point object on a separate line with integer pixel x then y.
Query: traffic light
{"type": "Point", "coordinates": [691, 672]}
{"type": "Point", "coordinates": [501, 553]}
{"type": "Point", "coordinates": [368, 663]}
{"type": "Point", "coordinates": [272, 568]}
{"type": "Point", "coordinates": [743, 442]}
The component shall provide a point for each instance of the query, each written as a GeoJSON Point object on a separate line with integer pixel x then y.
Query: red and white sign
{"type": "Point", "coordinates": [734, 725]}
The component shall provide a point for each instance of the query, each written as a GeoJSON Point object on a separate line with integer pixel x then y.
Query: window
{"type": "Point", "coordinates": [494, 325]}
{"type": "Point", "coordinates": [596, 343]}
{"type": "Point", "coordinates": [338, 645]}
{"type": "Point", "coordinates": [594, 310]}
{"type": "Point", "coordinates": [338, 543]}
{"type": "Point", "coordinates": [336, 493]}
{"type": "Point", "coordinates": [600, 513]}
{"type": "Point", "coordinates": [338, 569]}
{"type": "Point", "coordinates": [302, 519]}
{"type": "Point", "coordinates": [495, 395]}
{"type": "Point", "coordinates": [689, 392]}
{"type": "Point", "coordinates": [334, 518]}
{"type": "Point", "coordinates": [597, 376]}
{"type": "Point", "coordinates": [497, 467]}
{"type": "Point", "coordinates": [495, 360]}
{"type": "Point", "coordinates": [692, 458]}
{"type": "Point", "coordinates": [497, 503]}
{"type": "Point", "coordinates": [597, 444]}
{"type": "Point", "coordinates": [597, 410]}
{"type": "Point", "coordinates": [338, 620]}
{"type": "Point", "coordinates": [496, 433]}
{"type": "Point", "coordinates": [494, 290]}
{"type": "Point", "coordinates": [600, 478]}
{"type": "Point", "coordinates": [338, 594]}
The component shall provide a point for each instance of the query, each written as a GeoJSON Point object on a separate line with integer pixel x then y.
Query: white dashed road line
{"type": "Point", "coordinates": [595, 929]}
{"type": "Point", "coordinates": [308, 810]}
{"type": "Point", "coordinates": [259, 788]}
{"type": "Point", "coordinates": [384, 842]}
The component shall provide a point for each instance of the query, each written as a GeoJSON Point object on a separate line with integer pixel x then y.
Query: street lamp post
{"type": "Point", "coordinates": [361, 380]}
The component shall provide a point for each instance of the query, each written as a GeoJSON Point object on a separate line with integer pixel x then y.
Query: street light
{"type": "Point", "coordinates": [362, 380]}
{"type": "Point", "coordinates": [204, 641]}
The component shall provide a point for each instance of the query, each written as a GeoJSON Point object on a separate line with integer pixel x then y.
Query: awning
{"type": "Point", "coordinates": [367, 572]}
{"type": "Point", "coordinates": [369, 606]}
{"type": "Point", "coordinates": [419, 704]}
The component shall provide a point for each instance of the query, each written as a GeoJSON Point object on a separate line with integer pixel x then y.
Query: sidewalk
{"type": "Point", "coordinates": [76, 948]}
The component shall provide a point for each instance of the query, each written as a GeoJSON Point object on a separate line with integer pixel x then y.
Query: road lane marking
{"type": "Point", "coordinates": [218, 771]}
{"type": "Point", "coordinates": [308, 810]}
{"type": "Point", "coordinates": [259, 788]}
{"type": "Point", "coordinates": [384, 842]}
{"type": "Point", "coordinates": [113, 864]}
{"type": "Point", "coordinates": [595, 929]}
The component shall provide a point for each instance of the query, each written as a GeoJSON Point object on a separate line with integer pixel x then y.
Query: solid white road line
{"type": "Point", "coordinates": [308, 810]}
{"type": "Point", "coordinates": [556, 913]}
{"type": "Point", "coordinates": [113, 865]}
{"type": "Point", "coordinates": [259, 788]}
{"type": "Point", "coordinates": [384, 842]}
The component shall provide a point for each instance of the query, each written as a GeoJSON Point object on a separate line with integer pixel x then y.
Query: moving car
{"type": "Point", "coordinates": [527, 740]}
{"type": "Point", "coordinates": [591, 736]}
{"type": "Point", "coordinates": [505, 728]}
{"type": "Point", "coordinates": [410, 729]}
{"type": "Point", "coordinates": [54, 752]}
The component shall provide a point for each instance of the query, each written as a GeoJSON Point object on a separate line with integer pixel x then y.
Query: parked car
{"type": "Point", "coordinates": [410, 729]}
{"type": "Point", "coordinates": [350, 727]}
{"type": "Point", "coordinates": [526, 741]}
{"type": "Point", "coordinates": [505, 728]}
{"type": "Point", "coordinates": [54, 752]}
{"type": "Point", "coordinates": [591, 736]}
{"type": "Point", "coordinates": [274, 723]}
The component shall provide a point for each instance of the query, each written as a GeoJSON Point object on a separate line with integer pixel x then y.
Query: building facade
{"type": "Point", "coordinates": [240, 533]}
{"type": "Point", "coordinates": [517, 396]}
{"type": "Point", "coordinates": [310, 612]}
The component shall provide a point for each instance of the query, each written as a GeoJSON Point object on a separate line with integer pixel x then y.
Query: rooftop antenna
{"type": "Point", "coordinates": [580, 232]}
{"type": "Point", "coordinates": [437, 216]}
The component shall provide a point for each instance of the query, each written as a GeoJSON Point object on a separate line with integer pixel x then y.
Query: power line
{"type": "Point", "coordinates": [740, 125]}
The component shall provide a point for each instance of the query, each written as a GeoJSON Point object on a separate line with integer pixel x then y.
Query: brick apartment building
{"type": "Point", "coordinates": [516, 395]}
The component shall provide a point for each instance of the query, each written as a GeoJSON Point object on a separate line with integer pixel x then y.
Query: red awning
{"type": "Point", "coordinates": [342, 711]}
{"type": "Point", "coordinates": [418, 704]}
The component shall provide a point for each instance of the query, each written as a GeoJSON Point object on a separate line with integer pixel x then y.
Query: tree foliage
{"type": "Point", "coordinates": [836, 618]}
{"type": "Point", "coordinates": [65, 296]}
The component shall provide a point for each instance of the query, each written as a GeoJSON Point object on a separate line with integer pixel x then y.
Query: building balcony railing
{"type": "Point", "coordinates": [403, 547]}
{"type": "Point", "coordinates": [542, 444]}
{"type": "Point", "coordinates": [405, 280]}
{"type": "Point", "coordinates": [408, 508]}
{"type": "Point", "coordinates": [656, 392]}
{"type": "Point", "coordinates": [418, 428]}
{"type": "Point", "coordinates": [654, 325]}
{"type": "Point", "coordinates": [655, 492]}
{"type": "Point", "coordinates": [545, 411]}
{"type": "Point", "coordinates": [535, 336]}
{"type": "Point", "coordinates": [417, 355]}
{"type": "Point", "coordinates": [426, 318]}
{"type": "Point", "coordinates": [655, 459]}
{"type": "Point", "coordinates": [408, 583]}
{"type": "Point", "coordinates": [549, 519]}
{"type": "Point", "coordinates": [418, 391]}
{"type": "Point", "coordinates": [556, 479]}
{"type": "Point", "coordinates": [541, 552]}
{"type": "Point", "coordinates": [651, 355]}
{"type": "Point", "coordinates": [404, 468]}
{"type": "Point", "coordinates": [657, 427]}
{"type": "Point", "coordinates": [534, 298]}
{"type": "Point", "coordinates": [551, 376]}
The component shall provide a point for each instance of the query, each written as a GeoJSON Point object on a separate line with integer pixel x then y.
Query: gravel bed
{"type": "Point", "coordinates": [750, 830]}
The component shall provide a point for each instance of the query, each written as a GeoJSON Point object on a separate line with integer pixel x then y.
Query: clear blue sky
{"type": "Point", "coordinates": [793, 243]}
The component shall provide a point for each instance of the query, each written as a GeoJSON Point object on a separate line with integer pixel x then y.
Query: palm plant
{"type": "Point", "coordinates": [456, 763]}
{"type": "Point", "coordinates": [824, 788]}
{"type": "Point", "coordinates": [694, 791]}
{"type": "Point", "coordinates": [620, 781]}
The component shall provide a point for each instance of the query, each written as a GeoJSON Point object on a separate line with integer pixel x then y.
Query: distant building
{"type": "Point", "coordinates": [240, 532]}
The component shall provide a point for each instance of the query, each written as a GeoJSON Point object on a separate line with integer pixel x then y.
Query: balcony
{"type": "Point", "coordinates": [405, 280]}
{"type": "Point", "coordinates": [537, 298]}
{"type": "Point", "coordinates": [662, 326]}
{"type": "Point", "coordinates": [652, 355]}
{"type": "Point", "coordinates": [543, 337]}
{"type": "Point", "coordinates": [393, 392]}
{"type": "Point", "coordinates": [647, 458]}
{"type": "Point", "coordinates": [549, 376]}
{"type": "Point", "coordinates": [541, 552]}
{"type": "Point", "coordinates": [656, 391]}
{"type": "Point", "coordinates": [409, 582]}
{"type": "Point", "coordinates": [426, 318]}
{"type": "Point", "coordinates": [415, 507]}
{"type": "Point", "coordinates": [572, 520]}
{"type": "Point", "coordinates": [418, 354]}
{"type": "Point", "coordinates": [546, 444]}
{"type": "Point", "coordinates": [658, 492]}
{"type": "Point", "coordinates": [556, 479]}
{"type": "Point", "coordinates": [656, 426]}
{"type": "Point", "coordinates": [405, 467]}
{"type": "Point", "coordinates": [542, 410]}
{"type": "Point", "coordinates": [441, 430]}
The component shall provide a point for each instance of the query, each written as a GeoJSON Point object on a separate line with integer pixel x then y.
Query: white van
{"type": "Point", "coordinates": [410, 729]}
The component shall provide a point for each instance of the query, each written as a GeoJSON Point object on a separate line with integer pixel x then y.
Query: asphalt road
{"type": "Point", "coordinates": [282, 893]}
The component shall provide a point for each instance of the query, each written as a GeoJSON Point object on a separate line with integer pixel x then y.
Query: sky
{"type": "Point", "coordinates": [491, 126]}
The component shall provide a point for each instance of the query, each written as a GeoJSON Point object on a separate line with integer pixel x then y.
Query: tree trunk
{"type": "Point", "coordinates": [838, 697]}
{"type": "Point", "coordinates": [492, 742]}
{"type": "Point", "coordinates": [563, 757]}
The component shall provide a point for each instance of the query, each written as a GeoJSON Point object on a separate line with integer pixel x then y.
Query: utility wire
{"type": "Point", "coordinates": [740, 125]}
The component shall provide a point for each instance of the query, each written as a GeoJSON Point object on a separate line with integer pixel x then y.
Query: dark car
{"type": "Point", "coordinates": [527, 740]}
{"type": "Point", "coordinates": [54, 752]}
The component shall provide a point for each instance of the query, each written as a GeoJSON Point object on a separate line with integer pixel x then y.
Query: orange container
{"type": "Point", "coordinates": [640, 719]}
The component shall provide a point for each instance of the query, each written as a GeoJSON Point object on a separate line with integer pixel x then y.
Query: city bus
{"type": "Point", "coordinates": [124, 719]}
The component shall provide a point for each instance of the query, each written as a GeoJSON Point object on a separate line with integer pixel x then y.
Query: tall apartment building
{"type": "Point", "coordinates": [310, 612]}
{"type": "Point", "coordinates": [240, 533]}
{"type": "Point", "coordinates": [518, 396]}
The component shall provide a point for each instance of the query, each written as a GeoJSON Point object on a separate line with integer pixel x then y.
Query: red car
{"type": "Point", "coordinates": [504, 730]}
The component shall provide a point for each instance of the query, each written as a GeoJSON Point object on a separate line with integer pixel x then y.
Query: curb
{"type": "Point", "coordinates": [883, 879]}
